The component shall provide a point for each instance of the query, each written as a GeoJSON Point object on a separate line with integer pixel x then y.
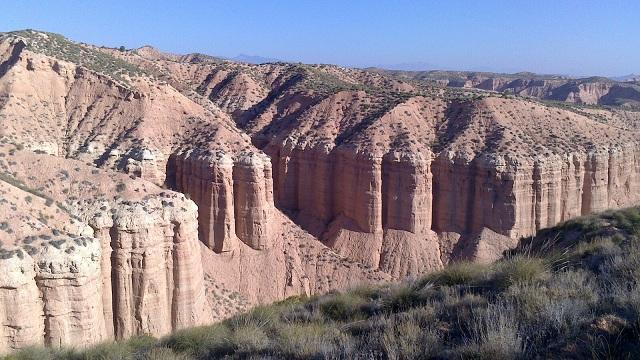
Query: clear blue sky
{"type": "Point", "coordinates": [578, 37]}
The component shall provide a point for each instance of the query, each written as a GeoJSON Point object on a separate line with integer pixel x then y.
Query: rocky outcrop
{"type": "Point", "coordinates": [52, 297]}
{"type": "Point", "coordinates": [141, 274]}
{"type": "Point", "coordinates": [358, 203]}
{"type": "Point", "coordinates": [234, 196]}
{"type": "Point", "coordinates": [253, 199]}
{"type": "Point", "coordinates": [20, 304]}
{"type": "Point", "coordinates": [155, 269]}
{"type": "Point", "coordinates": [517, 198]}
{"type": "Point", "coordinates": [81, 271]}
{"type": "Point", "coordinates": [373, 208]}
{"type": "Point", "coordinates": [143, 163]}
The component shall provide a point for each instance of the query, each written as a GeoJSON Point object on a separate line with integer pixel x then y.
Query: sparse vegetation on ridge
{"type": "Point", "coordinates": [59, 47]}
{"type": "Point", "coordinates": [571, 291]}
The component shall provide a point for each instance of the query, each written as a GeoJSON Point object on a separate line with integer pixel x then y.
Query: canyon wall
{"type": "Point", "coordinates": [361, 178]}
{"type": "Point", "coordinates": [151, 268]}
{"type": "Point", "coordinates": [99, 269]}
{"type": "Point", "coordinates": [234, 196]}
{"type": "Point", "coordinates": [52, 298]}
{"type": "Point", "coordinates": [362, 204]}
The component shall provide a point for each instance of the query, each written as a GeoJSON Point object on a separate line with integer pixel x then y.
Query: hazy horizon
{"type": "Point", "coordinates": [577, 38]}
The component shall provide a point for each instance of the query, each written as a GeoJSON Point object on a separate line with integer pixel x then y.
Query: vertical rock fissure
{"type": "Point", "coordinates": [118, 293]}
{"type": "Point", "coordinates": [175, 278]}
{"type": "Point", "coordinates": [47, 317]}
{"type": "Point", "coordinates": [537, 192]}
{"type": "Point", "coordinates": [586, 186]}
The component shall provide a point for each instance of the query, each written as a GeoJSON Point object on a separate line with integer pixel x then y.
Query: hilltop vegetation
{"type": "Point", "coordinates": [594, 90]}
{"type": "Point", "coordinates": [570, 292]}
{"type": "Point", "coordinates": [58, 46]}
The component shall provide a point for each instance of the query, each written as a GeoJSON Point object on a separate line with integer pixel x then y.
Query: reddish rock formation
{"type": "Point", "coordinates": [387, 178]}
{"type": "Point", "coordinates": [235, 199]}
{"type": "Point", "coordinates": [120, 268]}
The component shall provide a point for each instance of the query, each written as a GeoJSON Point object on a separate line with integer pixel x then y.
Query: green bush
{"type": "Point", "coordinates": [33, 353]}
{"type": "Point", "coordinates": [201, 342]}
{"type": "Point", "coordinates": [342, 307]}
{"type": "Point", "coordinates": [250, 339]}
{"type": "Point", "coordinates": [310, 340]}
{"type": "Point", "coordinates": [519, 269]}
{"type": "Point", "coordinates": [494, 334]}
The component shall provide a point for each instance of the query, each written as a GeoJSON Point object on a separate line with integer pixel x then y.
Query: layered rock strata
{"type": "Point", "coordinates": [234, 196]}
{"type": "Point", "coordinates": [359, 203]}
{"type": "Point", "coordinates": [77, 272]}
{"type": "Point", "coordinates": [355, 201]}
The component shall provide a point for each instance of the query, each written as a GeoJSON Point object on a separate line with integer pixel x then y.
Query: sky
{"type": "Point", "coordinates": [572, 37]}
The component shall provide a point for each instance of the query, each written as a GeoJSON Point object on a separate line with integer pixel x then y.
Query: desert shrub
{"type": "Point", "coordinates": [493, 334]}
{"type": "Point", "coordinates": [627, 219]}
{"type": "Point", "coordinates": [342, 307]}
{"type": "Point", "coordinates": [311, 340]}
{"type": "Point", "coordinates": [519, 269]}
{"type": "Point", "coordinates": [33, 353]}
{"type": "Point", "coordinates": [403, 296]}
{"type": "Point", "coordinates": [459, 273]}
{"type": "Point", "coordinates": [626, 297]}
{"type": "Point", "coordinates": [592, 253]}
{"type": "Point", "coordinates": [250, 339]}
{"type": "Point", "coordinates": [260, 316]}
{"type": "Point", "coordinates": [405, 339]}
{"type": "Point", "coordinates": [141, 343]}
{"type": "Point", "coordinates": [302, 313]}
{"type": "Point", "coordinates": [423, 316]}
{"type": "Point", "coordinates": [108, 351]}
{"type": "Point", "coordinates": [575, 284]}
{"type": "Point", "coordinates": [201, 342]}
{"type": "Point", "coordinates": [163, 353]}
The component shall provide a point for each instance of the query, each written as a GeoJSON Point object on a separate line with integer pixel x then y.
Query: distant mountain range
{"type": "Point", "coordinates": [630, 77]}
{"type": "Point", "coordinates": [254, 59]}
{"type": "Point", "coordinates": [595, 90]}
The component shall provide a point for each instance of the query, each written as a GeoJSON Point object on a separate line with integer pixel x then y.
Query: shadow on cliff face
{"type": "Point", "coordinates": [457, 119]}
{"type": "Point", "coordinates": [244, 118]}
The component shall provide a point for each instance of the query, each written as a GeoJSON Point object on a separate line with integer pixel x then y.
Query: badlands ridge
{"type": "Point", "coordinates": [144, 192]}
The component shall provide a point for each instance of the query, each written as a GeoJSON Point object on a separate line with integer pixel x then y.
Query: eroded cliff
{"type": "Point", "coordinates": [95, 266]}
{"type": "Point", "coordinates": [387, 178]}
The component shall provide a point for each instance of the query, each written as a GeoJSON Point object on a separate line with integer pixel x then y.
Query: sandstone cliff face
{"type": "Point", "coordinates": [53, 297]}
{"type": "Point", "coordinates": [362, 205]}
{"type": "Point", "coordinates": [581, 93]}
{"type": "Point", "coordinates": [235, 197]}
{"type": "Point", "coordinates": [155, 271]}
{"type": "Point", "coordinates": [405, 210]}
{"type": "Point", "coordinates": [516, 199]}
{"type": "Point", "coordinates": [102, 267]}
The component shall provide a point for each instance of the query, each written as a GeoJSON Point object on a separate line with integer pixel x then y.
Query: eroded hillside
{"type": "Point", "coordinates": [585, 91]}
{"type": "Point", "coordinates": [405, 177]}
{"type": "Point", "coordinates": [253, 183]}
